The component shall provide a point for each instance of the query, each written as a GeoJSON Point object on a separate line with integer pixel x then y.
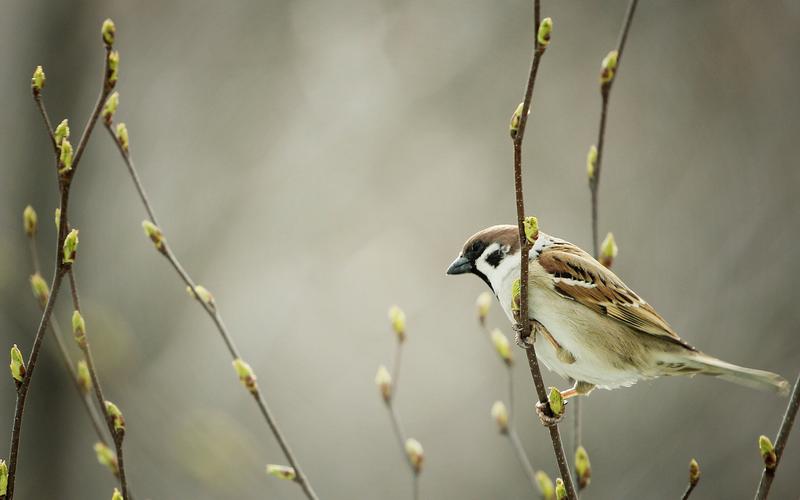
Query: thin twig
{"type": "Point", "coordinates": [536, 374]}
{"type": "Point", "coordinates": [213, 313]}
{"type": "Point", "coordinates": [118, 437]}
{"type": "Point", "coordinates": [61, 267]}
{"type": "Point", "coordinates": [594, 181]}
{"type": "Point", "coordinates": [65, 357]}
{"type": "Point", "coordinates": [780, 442]}
{"type": "Point", "coordinates": [689, 489]}
{"type": "Point", "coordinates": [394, 417]}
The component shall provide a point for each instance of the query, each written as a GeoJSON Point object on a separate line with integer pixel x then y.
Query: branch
{"type": "Point", "coordinates": [66, 164]}
{"type": "Point", "coordinates": [518, 132]}
{"type": "Point", "coordinates": [115, 428]}
{"type": "Point", "coordinates": [41, 293]}
{"type": "Point", "coordinates": [205, 300]}
{"type": "Point", "coordinates": [694, 478]}
{"type": "Point", "coordinates": [780, 442]}
{"type": "Point", "coordinates": [411, 448]}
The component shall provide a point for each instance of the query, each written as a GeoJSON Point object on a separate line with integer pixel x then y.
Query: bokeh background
{"type": "Point", "coordinates": [314, 162]}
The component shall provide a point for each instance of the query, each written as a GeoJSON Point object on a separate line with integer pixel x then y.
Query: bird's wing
{"type": "Point", "coordinates": [579, 277]}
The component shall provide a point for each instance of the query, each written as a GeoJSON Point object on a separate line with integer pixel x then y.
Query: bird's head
{"type": "Point", "coordinates": [488, 254]}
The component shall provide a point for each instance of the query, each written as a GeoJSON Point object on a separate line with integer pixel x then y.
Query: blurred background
{"type": "Point", "coordinates": [314, 162]}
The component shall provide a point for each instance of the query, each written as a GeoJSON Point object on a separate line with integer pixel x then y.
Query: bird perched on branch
{"type": "Point", "coordinates": [594, 329]}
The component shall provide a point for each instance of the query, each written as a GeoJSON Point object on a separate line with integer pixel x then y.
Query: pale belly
{"type": "Point", "coordinates": [610, 359]}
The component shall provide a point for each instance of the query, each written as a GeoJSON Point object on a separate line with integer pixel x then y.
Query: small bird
{"type": "Point", "coordinates": [595, 329]}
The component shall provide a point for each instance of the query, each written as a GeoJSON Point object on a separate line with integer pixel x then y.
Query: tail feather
{"type": "Point", "coordinates": [748, 377]}
{"type": "Point", "coordinates": [697, 362]}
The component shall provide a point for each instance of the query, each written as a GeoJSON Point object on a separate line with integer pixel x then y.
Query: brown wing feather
{"type": "Point", "coordinates": [578, 276]}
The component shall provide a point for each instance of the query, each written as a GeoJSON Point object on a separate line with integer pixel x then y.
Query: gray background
{"type": "Point", "coordinates": [314, 162]}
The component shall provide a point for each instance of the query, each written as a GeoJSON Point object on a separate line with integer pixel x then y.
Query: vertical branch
{"type": "Point", "coordinates": [203, 297]}
{"type": "Point", "coordinates": [66, 166]}
{"type": "Point", "coordinates": [41, 293]}
{"type": "Point", "coordinates": [411, 448]}
{"type": "Point", "coordinates": [610, 67]}
{"type": "Point", "coordinates": [519, 122]}
{"type": "Point", "coordinates": [117, 432]}
{"type": "Point", "coordinates": [780, 442]}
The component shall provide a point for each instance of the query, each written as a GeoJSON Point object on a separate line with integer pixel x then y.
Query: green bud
{"type": "Point", "coordinates": [561, 490]}
{"type": "Point", "coordinates": [556, 402]}
{"type": "Point", "coordinates": [110, 107]}
{"type": "Point", "coordinates": [117, 495]}
{"type": "Point", "coordinates": [65, 158]}
{"type": "Point", "coordinates": [583, 467]}
{"type": "Point", "coordinates": [767, 452]}
{"type": "Point", "coordinates": [62, 131]}
{"type": "Point", "coordinates": [154, 233]}
{"type": "Point", "coordinates": [608, 250]}
{"type": "Point", "coordinates": [383, 379]}
{"type": "Point", "coordinates": [122, 136]}
{"type": "Point", "coordinates": [501, 345]}
{"type": "Point", "coordinates": [531, 225]}
{"type": "Point", "coordinates": [3, 478]}
{"type": "Point", "coordinates": [37, 81]}
{"type": "Point", "coordinates": [40, 288]}
{"type": "Point", "coordinates": [500, 415]}
{"type": "Point", "coordinates": [545, 484]}
{"type": "Point", "coordinates": [70, 246]}
{"type": "Point", "coordinates": [79, 328]}
{"type": "Point", "coordinates": [116, 417]}
{"type": "Point", "coordinates": [398, 320]}
{"type": "Point", "coordinates": [246, 375]}
{"type": "Point", "coordinates": [483, 304]}
{"type": "Point", "coordinates": [513, 127]}
{"type": "Point", "coordinates": [29, 221]}
{"type": "Point", "coordinates": [415, 454]}
{"type": "Point", "coordinates": [84, 377]}
{"type": "Point", "coordinates": [516, 291]}
{"type": "Point", "coordinates": [694, 472]}
{"type": "Point", "coordinates": [58, 218]}
{"type": "Point", "coordinates": [108, 31]}
{"type": "Point", "coordinates": [113, 68]}
{"type": "Point", "coordinates": [106, 457]}
{"type": "Point", "coordinates": [591, 162]}
{"type": "Point", "coordinates": [17, 364]}
{"type": "Point", "coordinates": [609, 67]}
{"type": "Point", "coordinates": [200, 292]}
{"type": "Point", "coordinates": [545, 29]}
{"type": "Point", "coordinates": [282, 472]}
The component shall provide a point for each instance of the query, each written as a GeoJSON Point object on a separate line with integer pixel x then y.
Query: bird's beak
{"type": "Point", "coordinates": [460, 266]}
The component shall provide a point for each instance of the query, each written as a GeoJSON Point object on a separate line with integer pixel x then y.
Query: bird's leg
{"type": "Point", "coordinates": [526, 343]}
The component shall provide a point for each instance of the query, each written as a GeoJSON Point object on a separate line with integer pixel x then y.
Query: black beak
{"type": "Point", "coordinates": [460, 266]}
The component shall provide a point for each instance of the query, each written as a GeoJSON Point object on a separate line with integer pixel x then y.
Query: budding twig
{"type": "Point", "coordinates": [41, 293]}
{"type": "Point", "coordinates": [411, 448]}
{"type": "Point", "coordinates": [780, 442]}
{"type": "Point", "coordinates": [162, 246]}
{"type": "Point", "coordinates": [67, 163]}
{"type": "Point", "coordinates": [694, 478]}
{"type": "Point", "coordinates": [610, 67]}
{"type": "Point", "coordinates": [518, 134]}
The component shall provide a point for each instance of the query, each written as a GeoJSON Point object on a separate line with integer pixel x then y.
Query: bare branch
{"type": "Point", "coordinates": [780, 442]}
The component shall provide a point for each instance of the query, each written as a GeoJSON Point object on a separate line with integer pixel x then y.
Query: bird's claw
{"type": "Point", "coordinates": [546, 416]}
{"type": "Point", "coordinates": [526, 343]}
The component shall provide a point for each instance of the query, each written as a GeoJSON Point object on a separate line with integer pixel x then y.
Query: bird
{"type": "Point", "coordinates": [593, 328]}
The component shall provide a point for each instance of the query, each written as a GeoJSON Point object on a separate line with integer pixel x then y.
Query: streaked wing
{"type": "Point", "coordinates": [579, 277]}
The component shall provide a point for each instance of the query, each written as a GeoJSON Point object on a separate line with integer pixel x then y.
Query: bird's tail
{"type": "Point", "coordinates": [698, 362]}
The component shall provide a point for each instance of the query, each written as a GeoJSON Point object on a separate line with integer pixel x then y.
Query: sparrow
{"type": "Point", "coordinates": [593, 327]}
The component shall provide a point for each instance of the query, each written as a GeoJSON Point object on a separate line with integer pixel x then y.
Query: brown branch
{"type": "Point", "coordinates": [605, 91]}
{"type": "Point", "coordinates": [118, 436]}
{"type": "Point", "coordinates": [780, 442]}
{"type": "Point", "coordinates": [61, 267]}
{"type": "Point", "coordinates": [65, 357]}
{"type": "Point", "coordinates": [536, 374]}
{"type": "Point", "coordinates": [216, 318]}
{"type": "Point", "coordinates": [394, 417]}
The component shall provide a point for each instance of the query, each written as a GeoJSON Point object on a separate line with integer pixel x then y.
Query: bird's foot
{"type": "Point", "coordinates": [546, 415]}
{"type": "Point", "coordinates": [524, 343]}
